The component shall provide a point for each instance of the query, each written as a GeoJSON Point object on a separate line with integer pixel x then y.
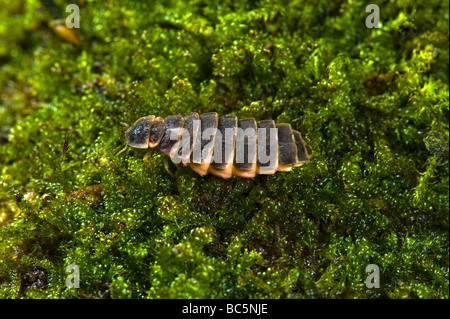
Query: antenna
{"type": "Point", "coordinates": [126, 146]}
{"type": "Point", "coordinates": [123, 150]}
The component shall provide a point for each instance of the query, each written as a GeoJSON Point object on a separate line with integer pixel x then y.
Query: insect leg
{"type": "Point", "coordinates": [147, 154]}
{"type": "Point", "coordinates": [166, 166]}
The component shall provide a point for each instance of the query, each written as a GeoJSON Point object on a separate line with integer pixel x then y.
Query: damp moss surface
{"type": "Point", "coordinates": [372, 103]}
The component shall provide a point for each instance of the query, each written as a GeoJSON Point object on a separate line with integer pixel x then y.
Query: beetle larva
{"type": "Point", "coordinates": [223, 146]}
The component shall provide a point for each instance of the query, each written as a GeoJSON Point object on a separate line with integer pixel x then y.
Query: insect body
{"type": "Point", "coordinates": [223, 146]}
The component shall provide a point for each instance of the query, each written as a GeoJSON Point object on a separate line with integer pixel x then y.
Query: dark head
{"type": "Point", "coordinates": [137, 135]}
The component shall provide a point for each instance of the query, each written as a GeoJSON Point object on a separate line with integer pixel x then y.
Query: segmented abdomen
{"type": "Point", "coordinates": [225, 146]}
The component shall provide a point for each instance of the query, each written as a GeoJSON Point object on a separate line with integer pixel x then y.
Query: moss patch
{"type": "Point", "coordinates": [372, 104]}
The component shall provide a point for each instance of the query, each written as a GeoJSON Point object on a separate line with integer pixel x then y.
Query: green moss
{"type": "Point", "coordinates": [372, 104]}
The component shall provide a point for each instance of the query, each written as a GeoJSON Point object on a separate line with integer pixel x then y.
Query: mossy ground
{"type": "Point", "coordinates": [372, 104]}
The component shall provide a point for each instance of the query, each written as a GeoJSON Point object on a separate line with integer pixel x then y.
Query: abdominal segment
{"type": "Point", "coordinates": [225, 146]}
